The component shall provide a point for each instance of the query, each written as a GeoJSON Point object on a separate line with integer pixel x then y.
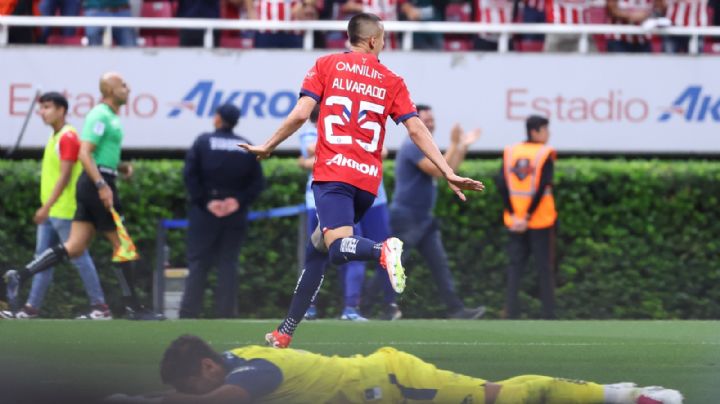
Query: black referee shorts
{"type": "Point", "coordinates": [89, 206]}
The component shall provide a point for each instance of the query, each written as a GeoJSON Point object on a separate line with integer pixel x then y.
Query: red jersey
{"type": "Point", "coordinates": [566, 11]}
{"type": "Point", "coordinates": [356, 94]}
{"type": "Point", "coordinates": [688, 13]}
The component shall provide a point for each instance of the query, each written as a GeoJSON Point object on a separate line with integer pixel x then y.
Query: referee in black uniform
{"type": "Point", "coordinates": [222, 181]}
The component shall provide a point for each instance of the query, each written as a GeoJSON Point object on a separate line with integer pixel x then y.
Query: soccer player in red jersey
{"type": "Point", "coordinates": [356, 95]}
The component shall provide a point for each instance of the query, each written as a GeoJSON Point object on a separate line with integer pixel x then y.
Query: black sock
{"type": "Point", "coordinates": [124, 273]}
{"type": "Point", "coordinates": [46, 260]}
{"type": "Point", "coordinates": [307, 288]}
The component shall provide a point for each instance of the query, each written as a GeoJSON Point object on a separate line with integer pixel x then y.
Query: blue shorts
{"type": "Point", "coordinates": [375, 225]}
{"type": "Point", "coordinates": [339, 204]}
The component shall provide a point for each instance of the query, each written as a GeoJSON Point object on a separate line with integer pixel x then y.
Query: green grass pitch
{"type": "Point", "coordinates": [99, 358]}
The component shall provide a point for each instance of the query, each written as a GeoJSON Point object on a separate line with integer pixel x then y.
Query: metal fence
{"type": "Point", "coordinates": [505, 31]}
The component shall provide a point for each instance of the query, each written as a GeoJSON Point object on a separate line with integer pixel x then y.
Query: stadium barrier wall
{"type": "Point", "coordinates": [596, 103]}
{"type": "Point", "coordinates": [637, 239]}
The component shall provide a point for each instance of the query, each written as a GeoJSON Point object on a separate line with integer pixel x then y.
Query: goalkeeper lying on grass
{"type": "Point", "coordinates": [260, 374]}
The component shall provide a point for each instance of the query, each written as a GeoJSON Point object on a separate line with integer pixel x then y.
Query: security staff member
{"type": "Point", "coordinates": [526, 189]}
{"type": "Point", "coordinates": [222, 181]}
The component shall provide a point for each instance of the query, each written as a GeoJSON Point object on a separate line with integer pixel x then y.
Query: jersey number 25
{"type": "Point", "coordinates": [365, 107]}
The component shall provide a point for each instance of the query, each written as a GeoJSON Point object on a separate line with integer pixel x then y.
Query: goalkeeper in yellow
{"type": "Point", "coordinates": [268, 375]}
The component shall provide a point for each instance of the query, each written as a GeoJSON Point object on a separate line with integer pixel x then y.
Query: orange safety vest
{"type": "Point", "coordinates": [523, 163]}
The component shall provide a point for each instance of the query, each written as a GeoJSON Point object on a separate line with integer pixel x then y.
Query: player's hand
{"type": "Point", "coordinates": [126, 169]}
{"type": "Point", "coordinates": [41, 215]}
{"type": "Point", "coordinates": [519, 225]}
{"type": "Point", "coordinates": [106, 196]}
{"type": "Point", "coordinates": [216, 207]}
{"type": "Point", "coordinates": [471, 137]}
{"type": "Point", "coordinates": [262, 152]}
{"type": "Point", "coordinates": [459, 184]}
{"type": "Point", "coordinates": [413, 14]}
{"type": "Point", "coordinates": [230, 206]}
{"type": "Point", "coordinates": [456, 134]}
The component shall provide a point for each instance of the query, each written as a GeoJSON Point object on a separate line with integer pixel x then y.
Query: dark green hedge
{"type": "Point", "coordinates": [637, 239]}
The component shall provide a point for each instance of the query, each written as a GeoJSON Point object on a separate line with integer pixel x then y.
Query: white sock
{"type": "Point", "coordinates": [619, 393]}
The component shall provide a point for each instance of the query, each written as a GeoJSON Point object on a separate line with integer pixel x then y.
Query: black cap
{"type": "Point", "coordinates": [229, 113]}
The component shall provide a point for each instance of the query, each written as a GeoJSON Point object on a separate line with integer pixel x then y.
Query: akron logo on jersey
{"type": "Point", "coordinates": [522, 169]}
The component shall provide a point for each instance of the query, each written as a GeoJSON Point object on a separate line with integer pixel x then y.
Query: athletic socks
{"type": "Point", "coordinates": [126, 279]}
{"type": "Point", "coordinates": [354, 248]}
{"type": "Point", "coordinates": [46, 260]}
{"type": "Point", "coordinates": [307, 288]}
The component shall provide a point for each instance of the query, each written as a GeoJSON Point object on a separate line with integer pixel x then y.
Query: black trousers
{"type": "Point", "coordinates": [423, 233]}
{"type": "Point", "coordinates": [541, 244]}
{"type": "Point", "coordinates": [213, 241]}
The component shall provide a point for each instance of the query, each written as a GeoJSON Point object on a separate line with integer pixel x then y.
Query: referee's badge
{"type": "Point", "coordinates": [99, 128]}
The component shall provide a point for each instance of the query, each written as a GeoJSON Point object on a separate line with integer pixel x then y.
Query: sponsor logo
{"type": "Point", "coordinates": [203, 99]}
{"type": "Point", "coordinates": [363, 168]}
{"type": "Point", "coordinates": [362, 70]}
{"type": "Point", "coordinates": [692, 105]}
{"type": "Point", "coordinates": [349, 245]}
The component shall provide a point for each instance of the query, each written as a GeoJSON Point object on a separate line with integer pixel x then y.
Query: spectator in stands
{"type": "Point", "coordinates": [491, 12]}
{"type": "Point", "coordinates": [387, 10]}
{"type": "Point", "coordinates": [123, 36]}
{"type": "Point", "coordinates": [685, 13]}
{"type": "Point", "coordinates": [411, 209]}
{"type": "Point", "coordinates": [197, 9]}
{"type": "Point", "coordinates": [283, 10]}
{"type": "Point", "coordinates": [68, 8]}
{"type": "Point", "coordinates": [525, 185]}
{"type": "Point", "coordinates": [633, 12]}
{"type": "Point", "coordinates": [20, 35]}
{"type": "Point", "coordinates": [423, 10]}
{"type": "Point", "coordinates": [565, 12]}
{"type": "Point", "coordinates": [222, 180]}
{"type": "Point", "coordinates": [531, 12]}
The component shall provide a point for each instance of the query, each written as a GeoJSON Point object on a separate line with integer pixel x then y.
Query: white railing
{"type": "Point", "coordinates": [405, 27]}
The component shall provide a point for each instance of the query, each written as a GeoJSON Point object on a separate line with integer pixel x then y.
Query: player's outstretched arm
{"type": "Point", "coordinates": [290, 125]}
{"type": "Point", "coordinates": [421, 136]}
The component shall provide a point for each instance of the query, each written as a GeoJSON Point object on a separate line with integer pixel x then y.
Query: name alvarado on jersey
{"type": "Point", "coordinates": [355, 86]}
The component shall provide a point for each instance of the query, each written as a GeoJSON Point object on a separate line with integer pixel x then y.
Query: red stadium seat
{"type": "Point", "coordinates": [598, 15]}
{"type": "Point", "coordinates": [529, 45]}
{"type": "Point", "coordinates": [232, 39]}
{"type": "Point", "coordinates": [166, 41]}
{"type": "Point", "coordinates": [336, 43]}
{"type": "Point", "coordinates": [157, 9]}
{"type": "Point", "coordinates": [458, 44]}
{"type": "Point", "coordinates": [458, 12]}
{"type": "Point", "coordinates": [55, 39]}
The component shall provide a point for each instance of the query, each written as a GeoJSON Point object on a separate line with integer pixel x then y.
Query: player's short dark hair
{"type": "Point", "coordinates": [423, 107]}
{"type": "Point", "coordinates": [315, 114]}
{"type": "Point", "coordinates": [183, 357]}
{"type": "Point", "coordinates": [56, 98]}
{"type": "Point", "coordinates": [357, 26]}
{"type": "Point", "coordinates": [535, 122]}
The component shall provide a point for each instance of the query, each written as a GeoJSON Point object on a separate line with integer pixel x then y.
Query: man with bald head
{"type": "Point", "coordinates": [100, 147]}
{"type": "Point", "coordinates": [356, 94]}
